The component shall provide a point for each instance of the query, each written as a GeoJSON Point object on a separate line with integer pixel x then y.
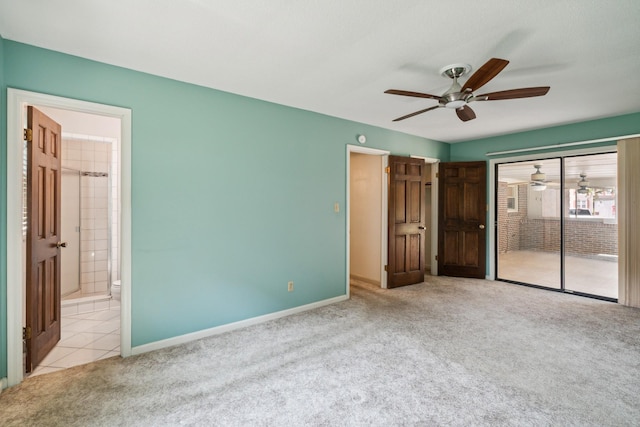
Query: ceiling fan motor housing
{"type": "Point", "coordinates": [455, 99]}
{"type": "Point", "coordinates": [538, 176]}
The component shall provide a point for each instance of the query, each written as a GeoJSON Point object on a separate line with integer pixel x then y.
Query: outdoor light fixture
{"type": "Point", "coordinates": [535, 186]}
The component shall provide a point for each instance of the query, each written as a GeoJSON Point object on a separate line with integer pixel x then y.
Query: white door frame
{"type": "Point", "coordinates": [16, 102]}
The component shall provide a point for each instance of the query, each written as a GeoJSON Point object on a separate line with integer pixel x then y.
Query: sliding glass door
{"type": "Point", "coordinates": [555, 231]}
{"type": "Point", "coordinates": [529, 217]}
{"type": "Point", "coordinates": [590, 225]}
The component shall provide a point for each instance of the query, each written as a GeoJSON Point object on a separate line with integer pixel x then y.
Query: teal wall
{"type": "Point", "coordinates": [592, 130]}
{"type": "Point", "coordinates": [231, 197]}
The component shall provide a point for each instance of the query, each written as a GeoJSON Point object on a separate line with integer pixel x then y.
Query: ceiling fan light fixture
{"type": "Point", "coordinates": [455, 100]}
{"type": "Point", "coordinates": [539, 187]}
{"type": "Point", "coordinates": [455, 104]}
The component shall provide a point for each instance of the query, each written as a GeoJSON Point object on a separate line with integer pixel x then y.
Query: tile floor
{"type": "Point", "coordinates": [591, 276]}
{"type": "Point", "coordinates": [85, 338]}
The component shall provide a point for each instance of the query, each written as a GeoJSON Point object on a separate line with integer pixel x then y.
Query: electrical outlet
{"type": "Point", "coordinates": [290, 286]}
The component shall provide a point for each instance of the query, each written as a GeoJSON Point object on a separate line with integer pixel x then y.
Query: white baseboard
{"type": "Point", "coordinates": [181, 339]}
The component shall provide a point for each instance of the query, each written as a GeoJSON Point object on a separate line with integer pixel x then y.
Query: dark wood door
{"type": "Point", "coordinates": [462, 219]}
{"type": "Point", "coordinates": [43, 234]}
{"type": "Point", "coordinates": [407, 179]}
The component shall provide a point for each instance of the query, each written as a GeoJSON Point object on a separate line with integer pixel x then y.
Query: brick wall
{"type": "Point", "coordinates": [585, 237]}
{"type": "Point", "coordinates": [510, 223]}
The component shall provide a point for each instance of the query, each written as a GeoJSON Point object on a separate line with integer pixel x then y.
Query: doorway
{"type": "Point", "coordinates": [367, 215]}
{"type": "Point", "coordinates": [557, 223]}
{"type": "Point", "coordinates": [90, 213]}
{"type": "Point", "coordinates": [17, 101]}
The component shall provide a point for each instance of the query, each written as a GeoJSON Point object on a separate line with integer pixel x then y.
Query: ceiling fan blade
{"type": "Point", "coordinates": [525, 92]}
{"type": "Point", "coordinates": [465, 113]}
{"type": "Point", "coordinates": [484, 74]}
{"type": "Point", "coordinates": [416, 113]}
{"type": "Point", "coordinates": [409, 93]}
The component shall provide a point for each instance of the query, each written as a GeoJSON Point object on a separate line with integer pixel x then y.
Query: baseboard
{"type": "Point", "coordinates": [181, 339]}
{"type": "Point", "coordinates": [365, 279]}
{"type": "Point", "coordinates": [4, 383]}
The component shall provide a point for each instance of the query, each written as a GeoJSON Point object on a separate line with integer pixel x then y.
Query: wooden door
{"type": "Point", "coordinates": [43, 234]}
{"type": "Point", "coordinates": [462, 219]}
{"type": "Point", "coordinates": [407, 223]}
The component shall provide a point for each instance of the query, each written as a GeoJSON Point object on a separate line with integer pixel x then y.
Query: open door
{"type": "Point", "coordinates": [407, 223]}
{"type": "Point", "coordinates": [44, 155]}
{"type": "Point", "coordinates": [462, 217]}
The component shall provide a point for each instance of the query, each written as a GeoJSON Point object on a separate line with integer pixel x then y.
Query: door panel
{"type": "Point", "coordinates": [462, 219]}
{"type": "Point", "coordinates": [43, 234]}
{"type": "Point", "coordinates": [590, 224]}
{"type": "Point", "coordinates": [528, 223]}
{"type": "Point", "coordinates": [407, 179]}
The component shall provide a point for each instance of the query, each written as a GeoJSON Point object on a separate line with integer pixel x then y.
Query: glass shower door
{"type": "Point", "coordinates": [70, 232]}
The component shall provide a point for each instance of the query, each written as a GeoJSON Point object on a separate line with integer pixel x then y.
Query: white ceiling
{"type": "Point", "coordinates": [337, 57]}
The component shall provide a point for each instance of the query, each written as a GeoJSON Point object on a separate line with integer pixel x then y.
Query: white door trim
{"type": "Point", "coordinates": [383, 209]}
{"type": "Point", "coordinates": [16, 101]}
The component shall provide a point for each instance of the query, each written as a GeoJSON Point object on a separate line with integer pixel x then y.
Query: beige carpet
{"type": "Point", "coordinates": [448, 352]}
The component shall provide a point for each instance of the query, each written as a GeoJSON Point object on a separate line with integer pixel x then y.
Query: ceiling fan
{"type": "Point", "coordinates": [538, 179]}
{"type": "Point", "coordinates": [457, 97]}
{"type": "Point", "coordinates": [583, 184]}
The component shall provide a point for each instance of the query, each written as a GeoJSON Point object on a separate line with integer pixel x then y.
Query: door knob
{"type": "Point", "coordinates": [61, 245]}
{"type": "Point", "coordinates": [481, 226]}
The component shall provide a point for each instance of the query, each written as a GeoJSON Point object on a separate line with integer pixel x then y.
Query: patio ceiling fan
{"type": "Point", "coordinates": [583, 184]}
{"type": "Point", "coordinates": [538, 179]}
{"type": "Point", "coordinates": [458, 97]}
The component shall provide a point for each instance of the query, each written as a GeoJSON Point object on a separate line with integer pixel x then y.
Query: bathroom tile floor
{"type": "Point", "coordinates": [85, 338]}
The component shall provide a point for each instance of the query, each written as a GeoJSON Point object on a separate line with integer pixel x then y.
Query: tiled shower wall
{"type": "Point", "coordinates": [94, 158]}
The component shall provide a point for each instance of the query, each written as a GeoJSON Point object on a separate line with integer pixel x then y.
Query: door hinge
{"type": "Point", "coordinates": [387, 169]}
{"type": "Point", "coordinates": [28, 135]}
{"type": "Point", "coordinates": [26, 333]}
{"type": "Point", "coordinates": [437, 175]}
{"type": "Point", "coordinates": [436, 257]}
{"type": "Point", "coordinates": [386, 268]}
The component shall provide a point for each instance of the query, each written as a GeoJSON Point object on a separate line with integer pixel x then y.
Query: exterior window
{"type": "Point", "coordinates": [512, 198]}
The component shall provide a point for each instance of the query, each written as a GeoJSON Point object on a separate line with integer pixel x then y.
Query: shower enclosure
{"type": "Point", "coordinates": [87, 217]}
